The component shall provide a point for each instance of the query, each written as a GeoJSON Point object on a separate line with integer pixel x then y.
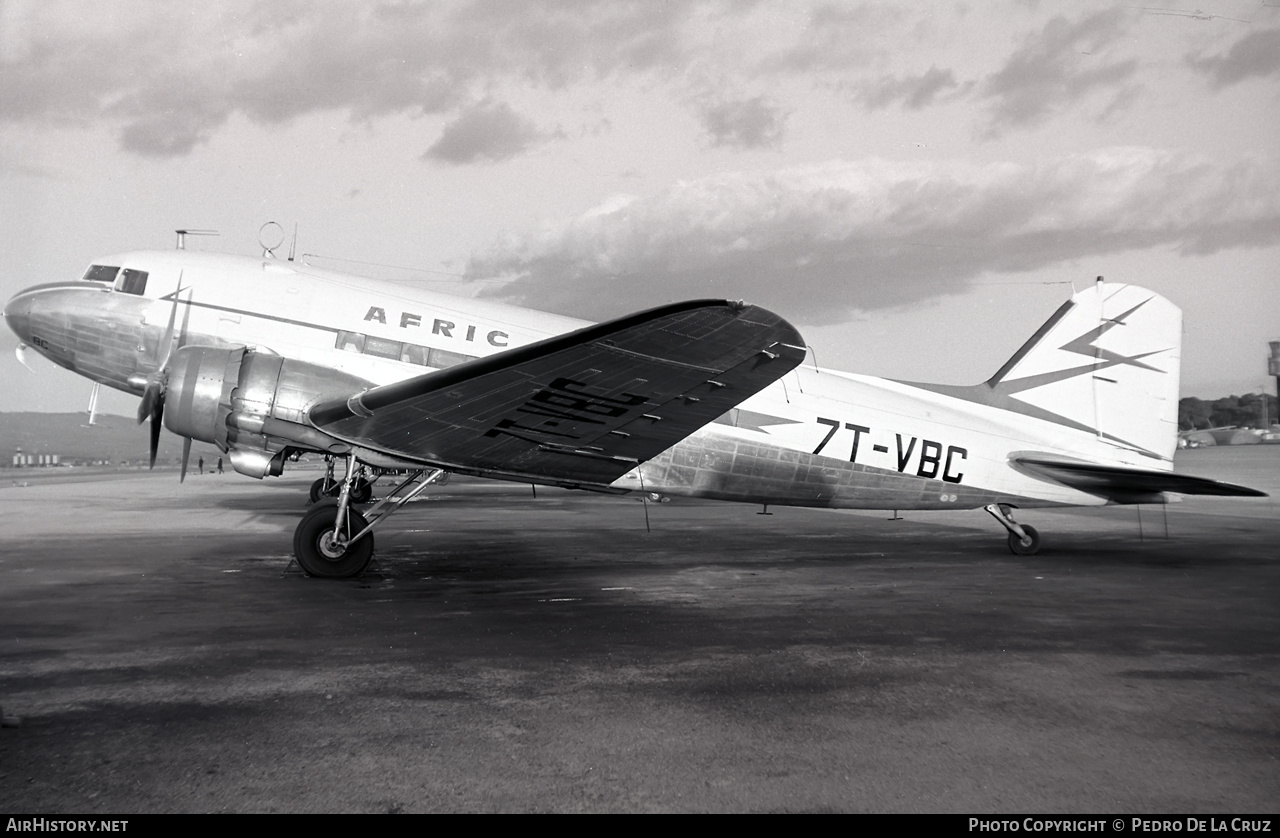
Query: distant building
{"type": "Point", "coordinates": [1273, 364]}
{"type": "Point", "coordinates": [21, 460]}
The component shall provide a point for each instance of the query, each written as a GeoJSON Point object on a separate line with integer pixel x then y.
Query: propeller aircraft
{"type": "Point", "coordinates": [269, 359]}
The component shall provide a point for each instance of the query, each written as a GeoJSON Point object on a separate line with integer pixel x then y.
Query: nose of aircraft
{"type": "Point", "coordinates": [17, 314]}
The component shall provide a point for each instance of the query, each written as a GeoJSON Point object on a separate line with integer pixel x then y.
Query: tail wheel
{"type": "Point", "coordinates": [1018, 548]}
{"type": "Point", "coordinates": [322, 555]}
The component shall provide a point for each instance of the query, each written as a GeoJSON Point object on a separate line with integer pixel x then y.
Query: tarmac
{"type": "Point", "coordinates": [507, 653]}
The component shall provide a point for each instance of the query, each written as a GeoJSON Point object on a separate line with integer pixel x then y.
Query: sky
{"type": "Point", "coordinates": [916, 186]}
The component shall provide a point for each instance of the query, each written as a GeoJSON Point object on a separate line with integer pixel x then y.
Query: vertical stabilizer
{"type": "Point", "coordinates": [1107, 362]}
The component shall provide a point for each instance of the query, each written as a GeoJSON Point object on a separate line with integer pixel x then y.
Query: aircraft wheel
{"type": "Point", "coordinates": [362, 492]}
{"type": "Point", "coordinates": [1018, 548]}
{"type": "Point", "coordinates": [323, 488]}
{"type": "Point", "coordinates": [315, 550]}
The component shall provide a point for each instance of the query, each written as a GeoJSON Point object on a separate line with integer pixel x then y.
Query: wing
{"type": "Point", "coordinates": [1128, 485]}
{"type": "Point", "coordinates": [581, 408]}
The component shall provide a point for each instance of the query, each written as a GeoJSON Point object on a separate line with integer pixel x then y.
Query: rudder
{"type": "Point", "coordinates": [1108, 362]}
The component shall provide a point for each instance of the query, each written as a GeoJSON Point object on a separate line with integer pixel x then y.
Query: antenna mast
{"type": "Point", "coordinates": [182, 236]}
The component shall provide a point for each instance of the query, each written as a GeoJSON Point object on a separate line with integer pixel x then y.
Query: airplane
{"type": "Point", "coordinates": [270, 359]}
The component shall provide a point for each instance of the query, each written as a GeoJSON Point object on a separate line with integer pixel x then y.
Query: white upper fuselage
{"type": "Point", "coordinates": [815, 437]}
{"type": "Point", "coordinates": [317, 315]}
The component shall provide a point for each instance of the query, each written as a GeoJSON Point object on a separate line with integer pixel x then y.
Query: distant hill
{"type": "Point", "coordinates": [114, 439]}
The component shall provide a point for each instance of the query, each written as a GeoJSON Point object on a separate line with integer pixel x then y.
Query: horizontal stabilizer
{"type": "Point", "coordinates": [1120, 484]}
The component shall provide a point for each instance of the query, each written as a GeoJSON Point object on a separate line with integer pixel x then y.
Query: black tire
{"type": "Point", "coordinates": [311, 544]}
{"type": "Point", "coordinates": [1018, 548]}
{"type": "Point", "coordinates": [362, 492]}
{"type": "Point", "coordinates": [324, 488]}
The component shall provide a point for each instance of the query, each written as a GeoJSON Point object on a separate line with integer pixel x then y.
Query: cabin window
{"type": "Point", "coordinates": [382, 348]}
{"type": "Point", "coordinates": [408, 353]}
{"type": "Point", "coordinates": [132, 282]}
{"type": "Point", "coordinates": [441, 359]}
{"type": "Point", "coordinates": [350, 342]}
{"type": "Point", "coordinates": [414, 354]}
{"type": "Point", "coordinates": [101, 273]}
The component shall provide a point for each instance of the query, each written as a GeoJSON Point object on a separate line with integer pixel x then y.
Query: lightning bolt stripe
{"type": "Point", "coordinates": [1086, 344]}
{"type": "Point", "coordinates": [1002, 392]}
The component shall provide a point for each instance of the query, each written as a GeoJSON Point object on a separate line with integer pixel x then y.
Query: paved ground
{"type": "Point", "coordinates": [513, 654]}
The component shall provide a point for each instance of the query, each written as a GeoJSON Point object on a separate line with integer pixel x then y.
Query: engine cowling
{"type": "Point", "coordinates": [252, 405]}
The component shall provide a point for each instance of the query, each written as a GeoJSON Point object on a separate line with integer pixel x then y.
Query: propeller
{"type": "Point", "coordinates": [20, 352]}
{"type": "Point", "coordinates": [152, 404]}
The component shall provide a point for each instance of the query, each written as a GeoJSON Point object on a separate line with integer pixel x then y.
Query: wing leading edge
{"type": "Point", "coordinates": [584, 407]}
{"type": "Point", "coordinates": [1128, 485]}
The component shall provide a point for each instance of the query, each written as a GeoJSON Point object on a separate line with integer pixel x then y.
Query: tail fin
{"type": "Point", "coordinates": [1107, 362]}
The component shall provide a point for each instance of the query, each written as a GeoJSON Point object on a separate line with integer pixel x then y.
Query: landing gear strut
{"type": "Point", "coordinates": [334, 540]}
{"type": "Point", "coordinates": [328, 487]}
{"type": "Point", "coordinates": [1023, 538]}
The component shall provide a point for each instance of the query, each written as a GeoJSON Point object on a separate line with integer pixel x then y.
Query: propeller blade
{"type": "Point", "coordinates": [148, 403]}
{"type": "Point", "coordinates": [166, 345]}
{"type": "Point", "coordinates": [186, 456]}
{"type": "Point", "coordinates": [152, 404]}
{"type": "Point", "coordinates": [155, 430]}
{"type": "Point", "coordinates": [20, 352]}
{"type": "Point", "coordinates": [145, 404]}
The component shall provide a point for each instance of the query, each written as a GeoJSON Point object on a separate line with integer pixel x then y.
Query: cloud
{"type": "Point", "coordinates": [1255, 55]}
{"type": "Point", "coordinates": [169, 127]}
{"type": "Point", "coordinates": [914, 92]}
{"type": "Point", "coordinates": [168, 77]}
{"type": "Point", "coordinates": [822, 242]}
{"type": "Point", "coordinates": [837, 37]}
{"type": "Point", "coordinates": [1055, 67]}
{"type": "Point", "coordinates": [171, 75]}
{"type": "Point", "coordinates": [746, 123]}
{"type": "Point", "coordinates": [58, 73]}
{"type": "Point", "coordinates": [557, 43]}
{"type": "Point", "coordinates": [489, 132]}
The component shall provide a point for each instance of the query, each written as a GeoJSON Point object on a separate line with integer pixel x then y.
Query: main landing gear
{"type": "Point", "coordinates": [329, 487]}
{"type": "Point", "coordinates": [1023, 538]}
{"type": "Point", "coordinates": [334, 540]}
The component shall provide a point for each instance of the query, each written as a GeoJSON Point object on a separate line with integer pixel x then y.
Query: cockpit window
{"type": "Point", "coordinates": [101, 273]}
{"type": "Point", "coordinates": [132, 282]}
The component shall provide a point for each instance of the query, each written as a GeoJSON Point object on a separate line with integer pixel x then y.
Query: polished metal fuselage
{"type": "Point", "coordinates": [814, 438]}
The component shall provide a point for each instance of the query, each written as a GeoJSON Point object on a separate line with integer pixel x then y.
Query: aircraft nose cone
{"type": "Point", "coordinates": [17, 314]}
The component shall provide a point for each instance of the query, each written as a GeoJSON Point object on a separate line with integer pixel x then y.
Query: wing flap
{"type": "Point", "coordinates": [1120, 484]}
{"type": "Point", "coordinates": [583, 407]}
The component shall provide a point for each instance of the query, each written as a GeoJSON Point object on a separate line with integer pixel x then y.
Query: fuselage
{"type": "Point", "coordinates": [813, 438]}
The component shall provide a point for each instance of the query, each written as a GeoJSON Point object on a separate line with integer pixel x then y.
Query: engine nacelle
{"type": "Point", "coordinates": [252, 405]}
